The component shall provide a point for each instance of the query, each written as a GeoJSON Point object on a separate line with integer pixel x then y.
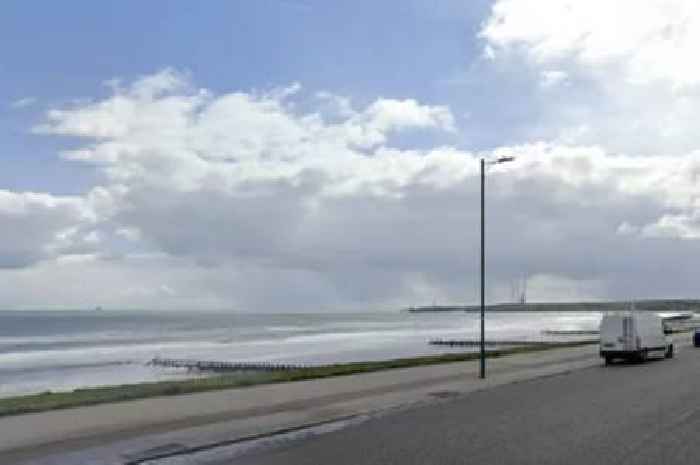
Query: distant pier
{"type": "Point", "coordinates": [660, 305]}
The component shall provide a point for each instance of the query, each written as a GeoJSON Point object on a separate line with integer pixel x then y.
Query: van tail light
{"type": "Point", "coordinates": [639, 342]}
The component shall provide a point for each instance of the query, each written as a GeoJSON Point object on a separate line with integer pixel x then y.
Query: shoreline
{"type": "Point", "coordinates": [47, 401]}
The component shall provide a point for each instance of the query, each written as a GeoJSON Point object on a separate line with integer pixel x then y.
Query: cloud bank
{"type": "Point", "coordinates": [285, 198]}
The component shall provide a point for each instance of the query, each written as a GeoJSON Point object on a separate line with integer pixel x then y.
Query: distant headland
{"type": "Point", "coordinates": [657, 305]}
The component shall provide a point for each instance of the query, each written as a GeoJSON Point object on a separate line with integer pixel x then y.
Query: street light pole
{"type": "Point", "coordinates": [482, 341]}
{"type": "Point", "coordinates": [482, 358]}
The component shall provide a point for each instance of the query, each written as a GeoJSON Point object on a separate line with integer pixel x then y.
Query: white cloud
{"type": "Point", "coordinates": [130, 234]}
{"type": "Point", "coordinates": [551, 78]}
{"type": "Point", "coordinates": [631, 73]}
{"type": "Point", "coordinates": [169, 136]}
{"type": "Point", "coordinates": [93, 237]}
{"type": "Point", "coordinates": [680, 225]}
{"type": "Point", "coordinates": [627, 229]}
{"type": "Point", "coordinates": [39, 226]}
{"type": "Point", "coordinates": [242, 200]}
{"type": "Point", "coordinates": [647, 41]}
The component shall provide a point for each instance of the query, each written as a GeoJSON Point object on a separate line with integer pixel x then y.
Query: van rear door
{"type": "Point", "coordinates": [628, 333]}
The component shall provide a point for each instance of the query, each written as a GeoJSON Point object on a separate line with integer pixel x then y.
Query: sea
{"type": "Point", "coordinates": [44, 351]}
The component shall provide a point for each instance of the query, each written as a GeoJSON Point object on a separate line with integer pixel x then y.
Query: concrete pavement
{"type": "Point", "coordinates": [109, 434]}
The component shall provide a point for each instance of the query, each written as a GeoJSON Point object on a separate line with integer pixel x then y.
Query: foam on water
{"type": "Point", "coordinates": [42, 351]}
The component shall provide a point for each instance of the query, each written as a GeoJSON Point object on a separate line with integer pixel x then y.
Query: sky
{"type": "Point", "coordinates": [300, 155]}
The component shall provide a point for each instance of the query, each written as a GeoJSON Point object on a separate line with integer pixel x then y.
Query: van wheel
{"type": "Point", "coordinates": [608, 360]}
{"type": "Point", "coordinates": [643, 356]}
{"type": "Point", "coordinates": [669, 351]}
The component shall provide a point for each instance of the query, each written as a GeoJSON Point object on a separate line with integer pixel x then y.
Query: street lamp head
{"type": "Point", "coordinates": [500, 160]}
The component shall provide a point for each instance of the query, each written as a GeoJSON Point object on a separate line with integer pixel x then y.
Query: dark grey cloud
{"type": "Point", "coordinates": [247, 203]}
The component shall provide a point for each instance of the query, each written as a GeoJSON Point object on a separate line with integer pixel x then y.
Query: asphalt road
{"type": "Point", "coordinates": [623, 414]}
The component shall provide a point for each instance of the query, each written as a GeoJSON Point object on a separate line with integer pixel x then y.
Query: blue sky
{"type": "Point", "coordinates": [57, 52]}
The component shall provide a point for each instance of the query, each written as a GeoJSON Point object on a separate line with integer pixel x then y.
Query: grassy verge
{"type": "Point", "coordinates": [100, 395]}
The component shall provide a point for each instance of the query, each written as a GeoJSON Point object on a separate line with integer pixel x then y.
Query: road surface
{"type": "Point", "coordinates": [623, 414]}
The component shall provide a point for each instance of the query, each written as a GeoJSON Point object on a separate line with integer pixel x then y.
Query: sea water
{"type": "Point", "coordinates": [63, 350]}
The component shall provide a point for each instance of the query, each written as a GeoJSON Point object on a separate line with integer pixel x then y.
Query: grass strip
{"type": "Point", "coordinates": [101, 395]}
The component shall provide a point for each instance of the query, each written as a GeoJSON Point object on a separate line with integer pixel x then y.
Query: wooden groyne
{"type": "Point", "coordinates": [476, 343]}
{"type": "Point", "coordinates": [203, 365]}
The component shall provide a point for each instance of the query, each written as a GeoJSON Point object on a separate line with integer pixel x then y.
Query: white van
{"type": "Point", "coordinates": [634, 336]}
